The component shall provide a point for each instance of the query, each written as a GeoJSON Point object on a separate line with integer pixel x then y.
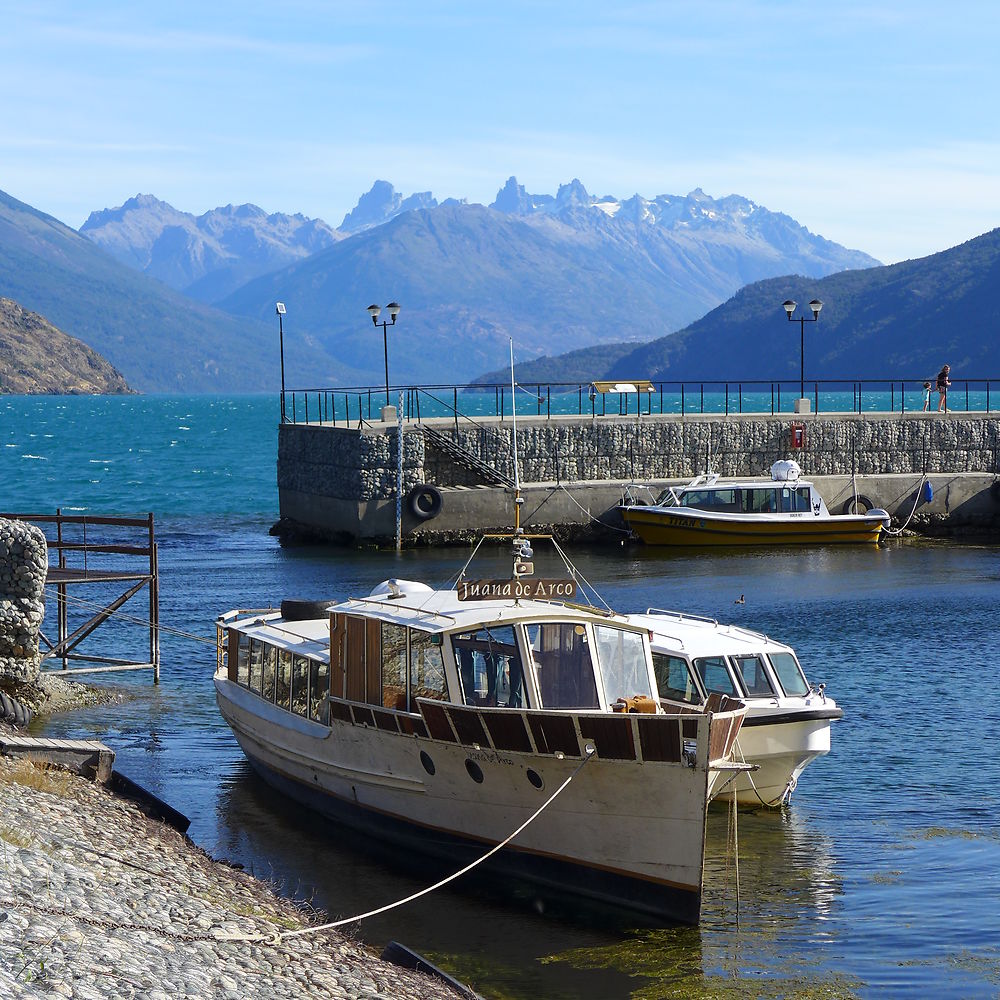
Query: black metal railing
{"type": "Point", "coordinates": [357, 405]}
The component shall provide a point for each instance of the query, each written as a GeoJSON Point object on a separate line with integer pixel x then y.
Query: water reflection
{"type": "Point", "coordinates": [491, 938]}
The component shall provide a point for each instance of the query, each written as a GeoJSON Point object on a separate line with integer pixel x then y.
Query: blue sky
{"type": "Point", "coordinates": [873, 124]}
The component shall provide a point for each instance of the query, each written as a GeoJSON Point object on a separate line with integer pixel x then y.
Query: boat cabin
{"type": "Point", "coordinates": [695, 657]}
{"type": "Point", "coordinates": [748, 498]}
{"type": "Point", "coordinates": [389, 650]}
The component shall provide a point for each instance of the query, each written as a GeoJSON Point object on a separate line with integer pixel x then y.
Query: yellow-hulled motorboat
{"type": "Point", "coordinates": [783, 510]}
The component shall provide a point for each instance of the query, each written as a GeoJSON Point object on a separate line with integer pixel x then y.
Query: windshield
{"type": "Point", "coordinates": [489, 666]}
{"type": "Point", "coordinates": [673, 678]}
{"type": "Point", "coordinates": [563, 664]}
{"type": "Point", "coordinates": [754, 676]}
{"type": "Point", "coordinates": [622, 657]}
{"type": "Point", "coordinates": [790, 674]}
{"type": "Point", "coordinates": [715, 675]}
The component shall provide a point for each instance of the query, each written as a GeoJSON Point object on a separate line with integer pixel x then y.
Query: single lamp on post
{"type": "Point", "coordinates": [280, 310]}
{"type": "Point", "coordinates": [375, 311]}
{"type": "Point", "coordinates": [802, 404]}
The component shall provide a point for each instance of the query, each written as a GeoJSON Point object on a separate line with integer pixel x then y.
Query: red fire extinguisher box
{"type": "Point", "coordinates": [797, 436]}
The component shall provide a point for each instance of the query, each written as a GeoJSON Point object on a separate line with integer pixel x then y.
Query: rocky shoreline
{"type": "Point", "coordinates": [98, 900]}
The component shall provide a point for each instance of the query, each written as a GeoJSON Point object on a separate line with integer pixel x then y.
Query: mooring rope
{"type": "Point", "coordinates": [916, 500]}
{"type": "Point", "coordinates": [589, 753]}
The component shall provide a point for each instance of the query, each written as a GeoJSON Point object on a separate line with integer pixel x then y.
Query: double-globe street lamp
{"type": "Point", "coordinates": [802, 404]}
{"type": "Point", "coordinates": [393, 310]}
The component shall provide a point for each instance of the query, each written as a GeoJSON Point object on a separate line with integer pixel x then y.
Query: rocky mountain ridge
{"type": "Point", "coordinates": [37, 358]}
{"type": "Point", "coordinates": [209, 255]}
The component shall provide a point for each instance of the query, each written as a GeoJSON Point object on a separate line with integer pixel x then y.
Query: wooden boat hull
{"type": "Point", "coordinates": [688, 526]}
{"type": "Point", "coordinates": [620, 835]}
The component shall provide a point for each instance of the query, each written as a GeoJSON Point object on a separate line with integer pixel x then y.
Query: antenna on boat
{"type": "Point", "coordinates": [518, 499]}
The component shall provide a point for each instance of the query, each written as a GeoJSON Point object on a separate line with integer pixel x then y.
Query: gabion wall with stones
{"type": "Point", "coordinates": [23, 565]}
{"type": "Point", "coordinates": [361, 465]}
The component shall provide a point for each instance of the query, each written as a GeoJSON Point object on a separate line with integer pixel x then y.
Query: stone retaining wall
{"type": "Point", "coordinates": [349, 464]}
{"type": "Point", "coordinates": [23, 566]}
{"type": "Point", "coordinates": [340, 483]}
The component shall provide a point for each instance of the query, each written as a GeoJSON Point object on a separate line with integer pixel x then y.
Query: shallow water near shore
{"type": "Point", "coordinates": [880, 877]}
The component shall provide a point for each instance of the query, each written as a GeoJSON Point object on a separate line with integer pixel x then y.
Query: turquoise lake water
{"type": "Point", "coordinates": [881, 878]}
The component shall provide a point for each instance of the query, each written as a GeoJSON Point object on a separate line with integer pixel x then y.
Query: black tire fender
{"type": "Point", "coordinates": [298, 610]}
{"type": "Point", "coordinates": [424, 501]}
{"type": "Point", "coordinates": [858, 505]}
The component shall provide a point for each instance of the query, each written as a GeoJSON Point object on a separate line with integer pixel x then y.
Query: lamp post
{"type": "Point", "coordinates": [802, 404]}
{"type": "Point", "coordinates": [393, 310]}
{"type": "Point", "coordinates": [280, 310]}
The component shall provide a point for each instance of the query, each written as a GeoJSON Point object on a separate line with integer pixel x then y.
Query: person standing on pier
{"type": "Point", "coordinates": [927, 396]}
{"type": "Point", "coordinates": [943, 381]}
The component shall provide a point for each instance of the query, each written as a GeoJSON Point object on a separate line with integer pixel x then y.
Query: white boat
{"type": "Point", "coordinates": [442, 720]}
{"type": "Point", "coordinates": [788, 722]}
{"type": "Point", "coordinates": [782, 510]}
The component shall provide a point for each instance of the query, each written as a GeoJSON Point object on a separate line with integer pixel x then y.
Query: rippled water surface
{"type": "Point", "coordinates": [881, 877]}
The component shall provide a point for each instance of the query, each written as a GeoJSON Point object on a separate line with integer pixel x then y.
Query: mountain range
{"type": "Point", "coordinates": [159, 339]}
{"type": "Point", "coordinates": [904, 320]}
{"type": "Point", "coordinates": [584, 279]}
{"type": "Point", "coordinates": [552, 273]}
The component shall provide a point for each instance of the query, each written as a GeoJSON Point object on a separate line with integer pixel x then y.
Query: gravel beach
{"type": "Point", "coordinates": [98, 900]}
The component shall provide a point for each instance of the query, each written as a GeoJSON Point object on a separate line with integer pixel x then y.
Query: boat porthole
{"type": "Point", "coordinates": [475, 771]}
{"type": "Point", "coordinates": [535, 778]}
{"type": "Point", "coordinates": [425, 759]}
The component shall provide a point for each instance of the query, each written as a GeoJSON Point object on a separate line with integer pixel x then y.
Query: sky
{"type": "Point", "coordinates": [873, 124]}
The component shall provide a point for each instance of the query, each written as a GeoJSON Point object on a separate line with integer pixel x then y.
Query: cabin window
{"type": "Point", "coordinates": [427, 678]}
{"type": "Point", "coordinates": [624, 667]}
{"type": "Point", "coordinates": [674, 680]}
{"type": "Point", "coordinates": [796, 500]}
{"type": "Point", "coordinates": [319, 688]}
{"type": "Point", "coordinates": [256, 660]}
{"type": "Point", "coordinates": [759, 501]}
{"type": "Point", "coordinates": [754, 675]}
{"type": "Point", "coordinates": [243, 661]}
{"type": "Point", "coordinates": [490, 669]}
{"type": "Point", "coordinates": [790, 674]}
{"type": "Point", "coordinates": [300, 685]}
{"type": "Point", "coordinates": [394, 667]}
{"type": "Point", "coordinates": [270, 664]}
{"type": "Point", "coordinates": [563, 665]}
{"type": "Point", "coordinates": [715, 675]}
{"type": "Point", "coordinates": [283, 679]}
{"type": "Point", "coordinates": [725, 500]}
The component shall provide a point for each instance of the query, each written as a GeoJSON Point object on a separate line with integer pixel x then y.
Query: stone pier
{"type": "Point", "coordinates": [340, 483]}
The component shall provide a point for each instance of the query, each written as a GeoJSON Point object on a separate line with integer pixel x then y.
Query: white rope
{"type": "Point", "coordinates": [596, 520]}
{"type": "Point", "coordinates": [916, 500]}
{"type": "Point", "coordinates": [589, 753]}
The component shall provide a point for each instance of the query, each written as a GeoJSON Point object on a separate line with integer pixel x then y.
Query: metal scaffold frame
{"type": "Point", "coordinates": [61, 575]}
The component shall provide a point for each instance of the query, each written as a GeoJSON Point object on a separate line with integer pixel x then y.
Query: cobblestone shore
{"type": "Point", "coordinates": [97, 900]}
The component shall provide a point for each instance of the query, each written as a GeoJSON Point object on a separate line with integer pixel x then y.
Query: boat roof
{"type": "Point", "coordinates": [694, 635]}
{"type": "Point", "coordinates": [407, 603]}
{"type": "Point", "coordinates": [747, 483]}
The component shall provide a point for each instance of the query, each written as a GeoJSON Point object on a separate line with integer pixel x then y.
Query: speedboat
{"type": "Point", "coordinates": [788, 721]}
{"type": "Point", "coordinates": [782, 510]}
{"type": "Point", "coordinates": [443, 721]}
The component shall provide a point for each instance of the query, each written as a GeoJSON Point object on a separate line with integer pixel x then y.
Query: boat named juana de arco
{"type": "Point", "coordinates": [442, 720]}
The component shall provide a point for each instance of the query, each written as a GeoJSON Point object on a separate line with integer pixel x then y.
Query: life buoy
{"type": "Point", "coordinates": [424, 501]}
{"type": "Point", "coordinates": [858, 505]}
